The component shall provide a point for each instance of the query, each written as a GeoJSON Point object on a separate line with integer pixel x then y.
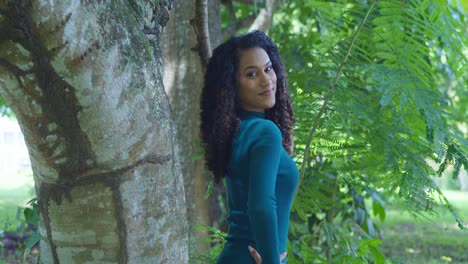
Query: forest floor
{"type": "Point", "coordinates": [429, 238]}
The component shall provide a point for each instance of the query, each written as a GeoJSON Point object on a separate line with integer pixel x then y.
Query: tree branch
{"type": "Point", "coordinates": [324, 106]}
{"type": "Point", "coordinates": [262, 21]}
{"type": "Point", "coordinates": [246, 22]}
{"type": "Point", "coordinates": [264, 17]}
{"type": "Point", "coordinates": [200, 25]}
{"type": "Point", "coordinates": [236, 24]}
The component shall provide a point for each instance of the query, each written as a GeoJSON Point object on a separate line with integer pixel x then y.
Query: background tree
{"type": "Point", "coordinates": [183, 79]}
{"type": "Point", "coordinates": [84, 80]}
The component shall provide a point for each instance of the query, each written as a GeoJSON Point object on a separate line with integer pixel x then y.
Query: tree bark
{"type": "Point", "coordinates": [183, 81]}
{"type": "Point", "coordinates": [200, 22]}
{"type": "Point", "coordinates": [85, 83]}
{"type": "Point", "coordinates": [183, 78]}
{"type": "Point", "coordinates": [217, 210]}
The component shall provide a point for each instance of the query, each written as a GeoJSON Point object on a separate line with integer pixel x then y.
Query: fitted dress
{"type": "Point", "coordinates": [261, 180]}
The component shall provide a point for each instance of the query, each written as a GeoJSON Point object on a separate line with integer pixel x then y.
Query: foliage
{"type": "Point", "coordinates": [380, 89]}
{"type": "Point", "coordinates": [216, 238]}
{"type": "Point", "coordinates": [16, 244]}
{"type": "Point", "coordinates": [31, 216]}
{"type": "Point", "coordinates": [379, 86]}
{"type": "Point", "coordinates": [4, 110]}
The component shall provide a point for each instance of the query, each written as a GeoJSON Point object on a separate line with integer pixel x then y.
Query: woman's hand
{"type": "Point", "coordinates": [258, 258]}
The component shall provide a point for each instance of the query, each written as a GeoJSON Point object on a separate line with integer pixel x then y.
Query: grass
{"type": "Point", "coordinates": [16, 189]}
{"type": "Point", "coordinates": [428, 238]}
{"type": "Point", "coordinates": [10, 201]}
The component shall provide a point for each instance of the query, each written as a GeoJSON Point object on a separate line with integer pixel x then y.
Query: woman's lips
{"type": "Point", "coordinates": [267, 92]}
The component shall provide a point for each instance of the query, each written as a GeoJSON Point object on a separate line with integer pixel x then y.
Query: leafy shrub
{"type": "Point", "coordinates": [20, 244]}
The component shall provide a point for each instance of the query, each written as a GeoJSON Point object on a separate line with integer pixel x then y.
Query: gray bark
{"type": "Point", "coordinates": [200, 22]}
{"type": "Point", "coordinates": [217, 215]}
{"type": "Point", "coordinates": [183, 81]}
{"type": "Point", "coordinates": [183, 78]}
{"type": "Point", "coordinates": [214, 22]}
{"type": "Point", "coordinates": [85, 83]}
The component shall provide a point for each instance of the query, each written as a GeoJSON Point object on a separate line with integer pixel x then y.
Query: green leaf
{"type": "Point", "coordinates": [378, 256]}
{"type": "Point", "coordinates": [209, 189]}
{"type": "Point", "coordinates": [378, 210]}
{"type": "Point", "coordinates": [30, 243]}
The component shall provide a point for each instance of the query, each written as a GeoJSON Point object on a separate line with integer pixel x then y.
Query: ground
{"type": "Point", "coordinates": [428, 239]}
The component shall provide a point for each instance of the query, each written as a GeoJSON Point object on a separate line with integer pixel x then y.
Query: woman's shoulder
{"type": "Point", "coordinates": [259, 128]}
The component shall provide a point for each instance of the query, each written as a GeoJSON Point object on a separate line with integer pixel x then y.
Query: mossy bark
{"type": "Point", "coordinates": [84, 79]}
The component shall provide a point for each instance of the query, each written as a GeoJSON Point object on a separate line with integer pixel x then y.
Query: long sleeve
{"type": "Point", "coordinates": [264, 158]}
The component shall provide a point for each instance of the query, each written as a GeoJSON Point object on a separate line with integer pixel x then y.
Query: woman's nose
{"type": "Point", "coordinates": [265, 79]}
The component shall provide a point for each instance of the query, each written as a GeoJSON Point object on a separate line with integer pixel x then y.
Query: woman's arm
{"type": "Point", "coordinates": [264, 157]}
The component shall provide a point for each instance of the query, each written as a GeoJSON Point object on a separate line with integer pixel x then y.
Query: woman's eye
{"type": "Point", "coordinates": [251, 74]}
{"type": "Point", "coordinates": [268, 69]}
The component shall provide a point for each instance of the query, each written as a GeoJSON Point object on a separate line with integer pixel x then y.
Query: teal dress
{"type": "Point", "coordinates": [261, 180]}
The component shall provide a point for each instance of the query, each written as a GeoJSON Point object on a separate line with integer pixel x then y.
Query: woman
{"type": "Point", "coordinates": [246, 127]}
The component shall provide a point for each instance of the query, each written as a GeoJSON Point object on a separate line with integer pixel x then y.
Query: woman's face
{"type": "Point", "coordinates": [256, 80]}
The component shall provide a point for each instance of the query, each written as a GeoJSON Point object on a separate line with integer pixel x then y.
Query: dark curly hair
{"type": "Point", "coordinates": [220, 105]}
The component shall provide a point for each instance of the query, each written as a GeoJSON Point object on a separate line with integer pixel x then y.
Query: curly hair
{"type": "Point", "coordinates": [220, 103]}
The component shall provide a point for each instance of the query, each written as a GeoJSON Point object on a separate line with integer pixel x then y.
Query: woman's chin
{"type": "Point", "coordinates": [270, 105]}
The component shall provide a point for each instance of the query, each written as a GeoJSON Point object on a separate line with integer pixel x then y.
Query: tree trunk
{"type": "Point", "coordinates": [183, 81]}
{"type": "Point", "coordinates": [85, 83]}
{"type": "Point", "coordinates": [218, 204]}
